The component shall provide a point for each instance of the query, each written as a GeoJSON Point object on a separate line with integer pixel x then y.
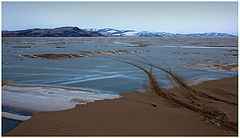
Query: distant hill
{"type": "Point", "coordinates": [131, 33]}
{"type": "Point", "coordinates": [56, 32]}
{"type": "Point", "coordinates": [109, 32]}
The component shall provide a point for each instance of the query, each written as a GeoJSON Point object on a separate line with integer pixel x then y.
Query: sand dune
{"type": "Point", "coordinates": [137, 114]}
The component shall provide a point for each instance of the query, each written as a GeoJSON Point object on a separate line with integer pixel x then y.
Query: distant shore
{"type": "Point", "coordinates": [71, 31]}
{"type": "Point", "coordinates": [138, 114]}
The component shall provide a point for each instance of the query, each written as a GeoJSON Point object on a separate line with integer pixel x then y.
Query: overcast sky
{"type": "Point", "coordinates": [173, 17]}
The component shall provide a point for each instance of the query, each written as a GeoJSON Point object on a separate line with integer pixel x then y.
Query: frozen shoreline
{"type": "Point", "coordinates": [47, 98]}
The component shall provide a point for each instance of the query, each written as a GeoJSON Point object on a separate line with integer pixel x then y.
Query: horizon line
{"type": "Point", "coordinates": [119, 30]}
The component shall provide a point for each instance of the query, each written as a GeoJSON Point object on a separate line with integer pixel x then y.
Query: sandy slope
{"type": "Point", "coordinates": [135, 114]}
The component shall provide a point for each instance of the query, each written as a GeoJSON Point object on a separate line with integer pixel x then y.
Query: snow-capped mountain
{"type": "Point", "coordinates": [164, 34]}
{"type": "Point", "coordinates": [114, 32]}
{"type": "Point", "coordinates": [131, 33]}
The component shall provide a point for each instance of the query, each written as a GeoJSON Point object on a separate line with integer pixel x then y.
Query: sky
{"type": "Point", "coordinates": [172, 17]}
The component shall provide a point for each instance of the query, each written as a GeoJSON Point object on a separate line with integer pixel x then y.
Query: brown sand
{"type": "Point", "coordinates": [219, 67]}
{"type": "Point", "coordinates": [53, 56]}
{"type": "Point", "coordinates": [232, 50]}
{"type": "Point", "coordinates": [65, 56]}
{"type": "Point", "coordinates": [210, 61]}
{"type": "Point", "coordinates": [137, 114]}
{"type": "Point", "coordinates": [6, 82]}
{"type": "Point", "coordinates": [114, 52]}
{"type": "Point", "coordinates": [230, 55]}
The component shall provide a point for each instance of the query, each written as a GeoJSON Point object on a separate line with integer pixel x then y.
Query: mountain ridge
{"type": "Point", "coordinates": [70, 31]}
{"type": "Point", "coordinates": [56, 32]}
{"type": "Point", "coordinates": [131, 33]}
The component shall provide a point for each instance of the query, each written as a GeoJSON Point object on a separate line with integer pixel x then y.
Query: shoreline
{"type": "Point", "coordinates": [12, 83]}
{"type": "Point", "coordinates": [134, 114]}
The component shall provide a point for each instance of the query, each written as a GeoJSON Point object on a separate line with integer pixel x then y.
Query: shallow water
{"type": "Point", "coordinates": [99, 73]}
